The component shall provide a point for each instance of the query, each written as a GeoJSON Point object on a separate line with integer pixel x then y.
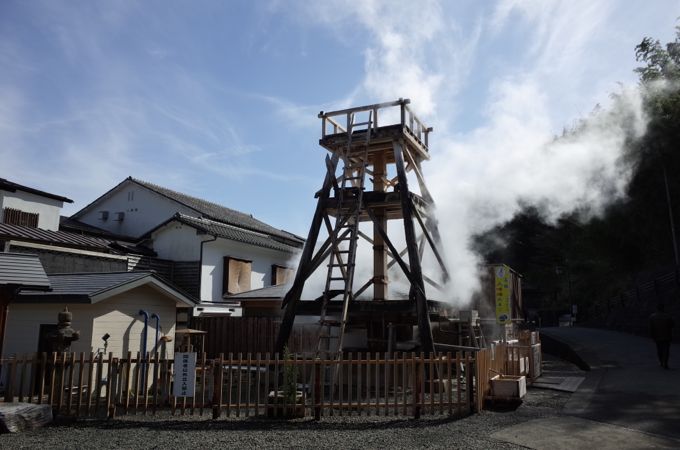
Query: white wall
{"type": "Point", "coordinates": [144, 210]}
{"type": "Point", "coordinates": [24, 320]}
{"type": "Point", "coordinates": [48, 209]}
{"type": "Point", "coordinates": [212, 268]}
{"type": "Point", "coordinates": [177, 242]}
{"type": "Point", "coordinates": [117, 316]}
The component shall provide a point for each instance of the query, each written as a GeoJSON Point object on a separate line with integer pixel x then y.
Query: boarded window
{"type": "Point", "coordinates": [18, 217]}
{"type": "Point", "coordinates": [281, 274]}
{"type": "Point", "coordinates": [236, 277]}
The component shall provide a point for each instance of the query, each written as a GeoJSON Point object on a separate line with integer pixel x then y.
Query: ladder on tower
{"type": "Point", "coordinates": [345, 235]}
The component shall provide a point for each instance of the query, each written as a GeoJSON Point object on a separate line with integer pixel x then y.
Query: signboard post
{"type": "Point", "coordinates": [503, 293]}
{"type": "Point", "coordinates": [184, 382]}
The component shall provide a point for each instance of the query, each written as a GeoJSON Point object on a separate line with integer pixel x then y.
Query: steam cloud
{"type": "Point", "coordinates": [510, 157]}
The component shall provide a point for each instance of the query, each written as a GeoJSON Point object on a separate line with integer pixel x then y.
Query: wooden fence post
{"type": "Point", "coordinates": [417, 383]}
{"type": "Point", "coordinates": [9, 389]}
{"type": "Point", "coordinates": [217, 388]}
{"type": "Point", "coordinates": [469, 375]}
{"type": "Point", "coordinates": [317, 389]}
{"type": "Point", "coordinates": [111, 386]}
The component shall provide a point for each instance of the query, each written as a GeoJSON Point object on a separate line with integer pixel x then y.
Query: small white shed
{"type": "Point", "coordinates": [102, 304]}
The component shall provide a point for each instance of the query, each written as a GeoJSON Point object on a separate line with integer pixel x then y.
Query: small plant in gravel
{"type": "Point", "coordinates": [288, 402]}
{"type": "Point", "coordinates": [290, 374]}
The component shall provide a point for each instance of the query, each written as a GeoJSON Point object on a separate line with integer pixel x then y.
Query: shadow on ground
{"type": "Point", "coordinates": [335, 423]}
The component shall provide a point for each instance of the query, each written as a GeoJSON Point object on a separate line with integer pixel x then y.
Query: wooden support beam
{"type": "Point", "coordinates": [393, 250]}
{"type": "Point", "coordinates": [366, 237]}
{"type": "Point", "coordinates": [394, 261]}
{"type": "Point", "coordinates": [329, 167]}
{"type": "Point", "coordinates": [362, 289]}
{"type": "Point", "coordinates": [292, 297]}
{"type": "Point", "coordinates": [415, 165]}
{"type": "Point", "coordinates": [421, 247]}
{"type": "Point", "coordinates": [440, 260]}
{"type": "Point", "coordinates": [417, 287]}
{"type": "Point", "coordinates": [379, 253]}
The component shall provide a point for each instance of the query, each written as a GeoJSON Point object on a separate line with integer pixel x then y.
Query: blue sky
{"type": "Point", "coordinates": [218, 99]}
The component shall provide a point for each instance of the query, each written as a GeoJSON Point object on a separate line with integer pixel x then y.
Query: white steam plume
{"type": "Point", "coordinates": [507, 156]}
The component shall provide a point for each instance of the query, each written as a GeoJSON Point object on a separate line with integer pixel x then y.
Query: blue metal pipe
{"type": "Point", "coordinates": [145, 332]}
{"type": "Point", "coordinates": [158, 329]}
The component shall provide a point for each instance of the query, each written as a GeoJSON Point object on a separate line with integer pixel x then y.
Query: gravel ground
{"type": "Point", "coordinates": [164, 431]}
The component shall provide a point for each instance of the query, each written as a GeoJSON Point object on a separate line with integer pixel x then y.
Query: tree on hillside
{"type": "Point", "coordinates": [587, 263]}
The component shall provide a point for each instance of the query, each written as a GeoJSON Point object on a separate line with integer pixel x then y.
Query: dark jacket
{"type": "Point", "coordinates": [661, 326]}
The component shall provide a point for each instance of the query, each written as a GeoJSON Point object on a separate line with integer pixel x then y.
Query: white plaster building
{"type": "Point", "coordinates": [25, 206]}
{"type": "Point", "coordinates": [231, 251]}
{"type": "Point", "coordinates": [102, 304]}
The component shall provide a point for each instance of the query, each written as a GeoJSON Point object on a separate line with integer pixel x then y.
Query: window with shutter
{"type": "Point", "coordinates": [281, 274]}
{"type": "Point", "coordinates": [17, 217]}
{"type": "Point", "coordinates": [236, 276]}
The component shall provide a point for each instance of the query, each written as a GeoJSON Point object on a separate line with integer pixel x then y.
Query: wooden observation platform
{"type": "Point", "coordinates": [370, 146]}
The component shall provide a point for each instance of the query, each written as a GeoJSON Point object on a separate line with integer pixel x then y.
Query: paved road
{"type": "Point", "coordinates": [626, 401]}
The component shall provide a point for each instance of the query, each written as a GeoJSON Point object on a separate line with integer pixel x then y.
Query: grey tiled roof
{"type": "Point", "coordinates": [90, 284]}
{"type": "Point", "coordinates": [221, 213]}
{"type": "Point", "coordinates": [22, 270]}
{"type": "Point", "coordinates": [82, 287]}
{"type": "Point", "coordinates": [238, 234]}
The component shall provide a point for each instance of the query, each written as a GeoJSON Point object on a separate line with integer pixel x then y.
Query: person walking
{"type": "Point", "coordinates": [661, 329]}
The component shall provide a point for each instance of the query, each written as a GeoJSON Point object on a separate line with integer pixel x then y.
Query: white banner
{"type": "Point", "coordinates": [185, 375]}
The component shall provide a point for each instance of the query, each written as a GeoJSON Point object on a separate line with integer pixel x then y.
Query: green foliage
{"type": "Point", "coordinates": [660, 62]}
{"type": "Point", "coordinates": [290, 375]}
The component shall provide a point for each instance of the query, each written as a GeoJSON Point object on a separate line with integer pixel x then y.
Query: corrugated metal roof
{"type": "Point", "coordinates": [23, 270]}
{"type": "Point", "coordinates": [71, 240]}
{"type": "Point", "coordinates": [52, 237]}
{"type": "Point", "coordinates": [268, 292]}
{"type": "Point", "coordinates": [234, 233]}
{"type": "Point", "coordinates": [221, 213]}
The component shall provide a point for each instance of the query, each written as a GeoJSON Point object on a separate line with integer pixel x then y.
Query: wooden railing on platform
{"type": "Point", "coordinates": [407, 118]}
{"type": "Point", "coordinates": [244, 385]}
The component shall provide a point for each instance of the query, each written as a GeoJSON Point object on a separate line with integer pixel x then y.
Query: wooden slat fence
{"type": "Point", "coordinates": [505, 359]}
{"type": "Point", "coordinates": [245, 385]}
{"type": "Point", "coordinates": [252, 334]}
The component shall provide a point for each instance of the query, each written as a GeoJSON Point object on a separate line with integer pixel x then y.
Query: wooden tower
{"type": "Point", "coordinates": [374, 147]}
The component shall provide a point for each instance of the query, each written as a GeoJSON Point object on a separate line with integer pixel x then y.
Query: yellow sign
{"type": "Point", "coordinates": [503, 292]}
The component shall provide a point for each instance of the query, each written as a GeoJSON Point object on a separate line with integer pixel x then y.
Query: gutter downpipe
{"type": "Point", "coordinates": [145, 334]}
{"type": "Point", "coordinates": [158, 328]}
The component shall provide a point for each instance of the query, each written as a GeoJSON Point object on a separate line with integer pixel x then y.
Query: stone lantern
{"type": "Point", "coordinates": [60, 340]}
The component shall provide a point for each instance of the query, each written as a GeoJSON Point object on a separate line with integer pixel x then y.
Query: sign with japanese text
{"type": "Point", "coordinates": [185, 375]}
{"type": "Point", "coordinates": [503, 292]}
